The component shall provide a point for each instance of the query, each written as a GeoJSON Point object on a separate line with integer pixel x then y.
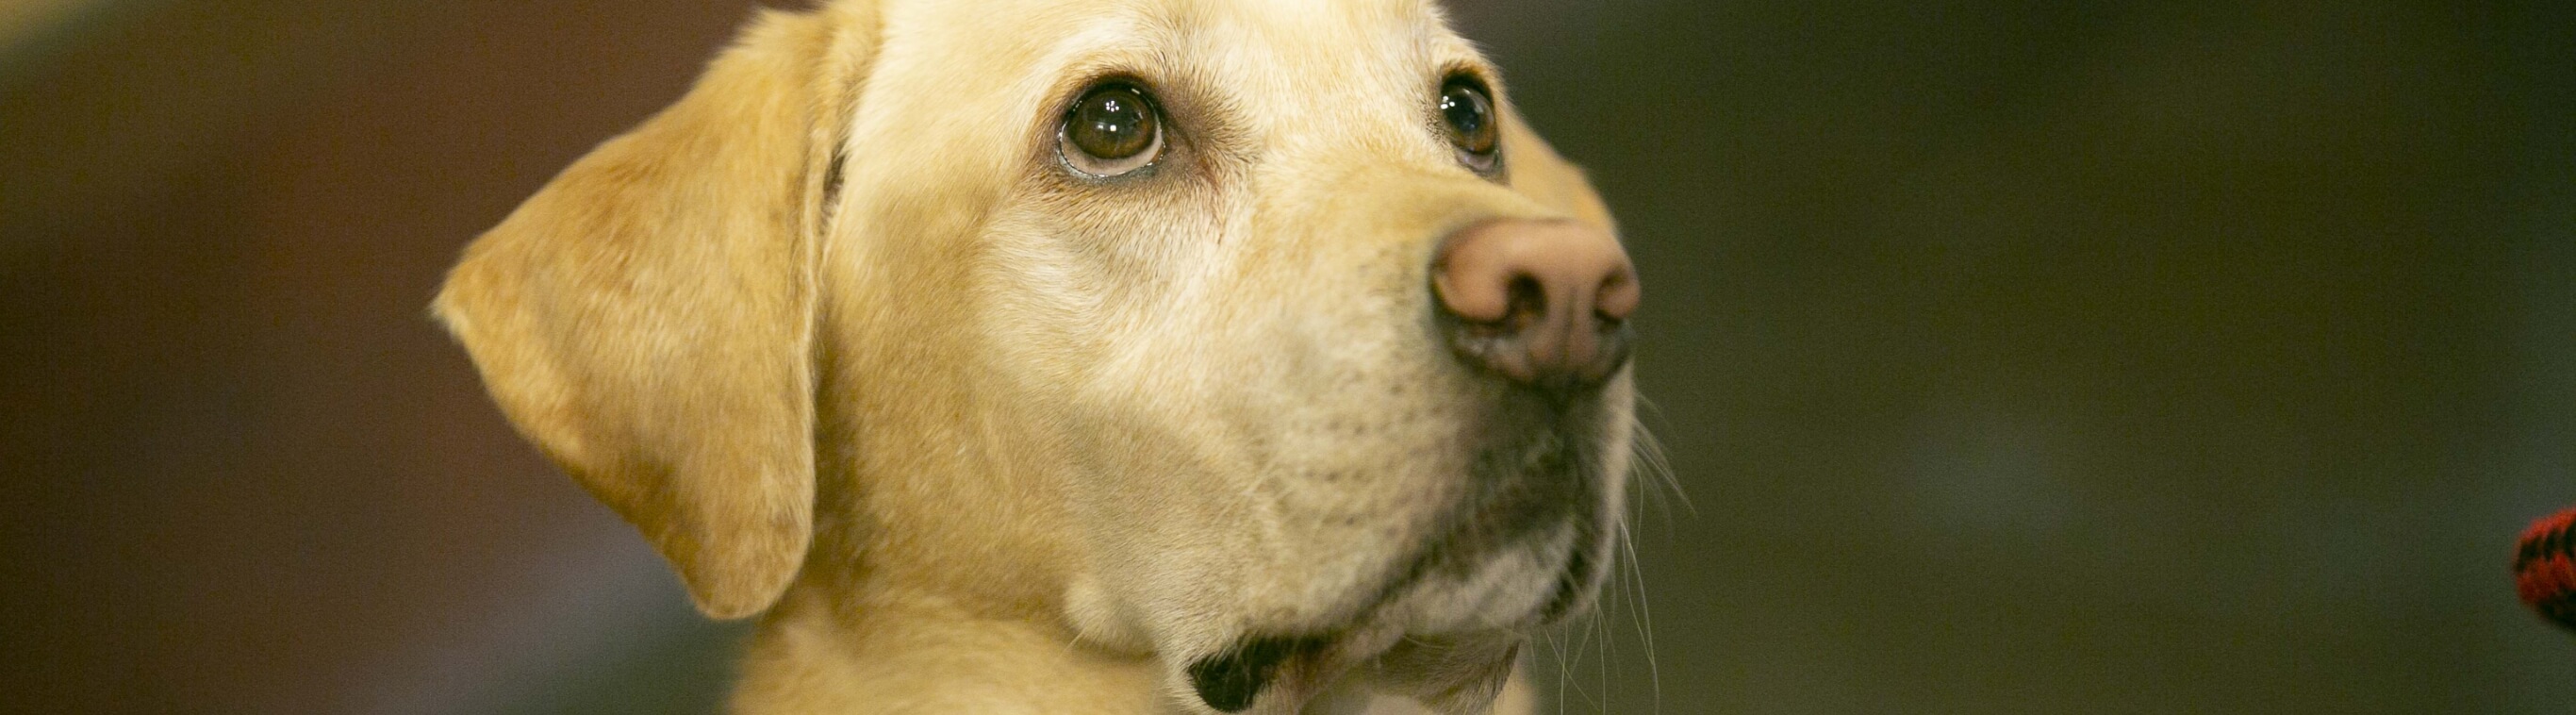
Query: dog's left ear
{"type": "Point", "coordinates": [647, 318]}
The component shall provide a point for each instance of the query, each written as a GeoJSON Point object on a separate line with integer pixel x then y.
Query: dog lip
{"type": "Point", "coordinates": [1526, 488]}
{"type": "Point", "coordinates": [1553, 481]}
{"type": "Point", "coordinates": [1231, 680]}
{"type": "Point", "coordinates": [1579, 577]}
{"type": "Point", "coordinates": [1467, 542]}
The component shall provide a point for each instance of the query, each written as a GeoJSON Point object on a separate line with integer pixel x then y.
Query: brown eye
{"type": "Point", "coordinates": [1111, 131]}
{"type": "Point", "coordinates": [1468, 114]}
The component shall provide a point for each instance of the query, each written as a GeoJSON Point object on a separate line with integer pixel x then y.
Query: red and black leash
{"type": "Point", "coordinates": [2544, 567]}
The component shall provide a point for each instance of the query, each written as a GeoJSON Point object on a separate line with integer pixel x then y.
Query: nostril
{"type": "Point", "coordinates": [1543, 303]}
{"type": "Point", "coordinates": [1525, 301]}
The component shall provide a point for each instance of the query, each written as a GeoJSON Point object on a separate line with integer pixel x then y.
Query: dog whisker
{"type": "Point", "coordinates": [1655, 466]}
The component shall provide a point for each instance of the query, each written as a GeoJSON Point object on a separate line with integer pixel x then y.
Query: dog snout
{"type": "Point", "coordinates": [1541, 303]}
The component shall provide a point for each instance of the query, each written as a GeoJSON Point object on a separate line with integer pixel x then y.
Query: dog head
{"type": "Point", "coordinates": [1261, 338]}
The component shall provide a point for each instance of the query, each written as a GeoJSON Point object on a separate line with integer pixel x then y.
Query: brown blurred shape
{"type": "Point", "coordinates": [244, 473]}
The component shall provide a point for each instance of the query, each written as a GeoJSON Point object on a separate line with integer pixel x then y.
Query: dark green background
{"type": "Point", "coordinates": [2089, 357]}
{"type": "Point", "coordinates": [2012, 356]}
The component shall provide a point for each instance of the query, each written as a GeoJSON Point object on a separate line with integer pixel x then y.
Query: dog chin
{"type": "Point", "coordinates": [1525, 550]}
{"type": "Point", "coordinates": [1446, 641]}
{"type": "Point", "coordinates": [1446, 637]}
{"type": "Point", "coordinates": [1513, 589]}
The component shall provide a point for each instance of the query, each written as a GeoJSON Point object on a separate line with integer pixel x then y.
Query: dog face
{"type": "Point", "coordinates": [1262, 338]}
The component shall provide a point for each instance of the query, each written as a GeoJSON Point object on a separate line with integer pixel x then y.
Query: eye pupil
{"type": "Point", "coordinates": [1469, 113]}
{"type": "Point", "coordinates": [1463, 114]}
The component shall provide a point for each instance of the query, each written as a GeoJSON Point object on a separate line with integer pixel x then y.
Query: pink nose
{"type": "Point", "coordinates": [1543, 303]}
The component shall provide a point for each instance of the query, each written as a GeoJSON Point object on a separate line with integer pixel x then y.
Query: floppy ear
{"type": "Point", "coordinates": [647, 318]}
{"type": "Point", "coordinates": [1537, 172]}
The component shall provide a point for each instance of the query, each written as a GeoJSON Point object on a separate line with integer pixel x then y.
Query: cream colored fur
{"type": "Point", "coordinates": [973, 435]}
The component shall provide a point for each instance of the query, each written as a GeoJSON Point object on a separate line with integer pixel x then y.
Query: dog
{"type": "Point", "coordinates": [1086, 356]}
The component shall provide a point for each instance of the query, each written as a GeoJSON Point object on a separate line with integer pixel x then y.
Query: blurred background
{"type": "Point", "coordinates": [2119, 356]}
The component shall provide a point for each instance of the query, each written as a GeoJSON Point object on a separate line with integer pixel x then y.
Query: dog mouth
{"type": "Point", "coordinates": [1539, 483]}
{"type": "Point", "coordinates": [1523, 546]}
{"type": "Point", "coordinates": [1232, 679]}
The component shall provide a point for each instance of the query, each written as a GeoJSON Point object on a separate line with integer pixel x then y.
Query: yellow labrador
{"type": "Point", "coordinates": [1086, 356]}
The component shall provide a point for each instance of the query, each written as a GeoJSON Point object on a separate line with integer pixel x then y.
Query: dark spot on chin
{"type": "Point", "coordinates": [1229, 681]}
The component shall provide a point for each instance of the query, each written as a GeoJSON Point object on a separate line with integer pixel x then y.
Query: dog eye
{"type": "Point", "coordinates": [1468, 113]}
{"type": "Point", "coordinates": [1111, 131]}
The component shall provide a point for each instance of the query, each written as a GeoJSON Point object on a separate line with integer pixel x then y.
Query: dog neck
{"type": "Point", "coordinates": [935, 582]}
{"type": "Point", "coordinates": [893, 652]}
{"type": "Point", "coordinates": [890, 651]}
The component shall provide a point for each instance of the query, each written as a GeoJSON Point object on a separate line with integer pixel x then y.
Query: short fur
{"type": "Point", "coordinates": [971, 433]}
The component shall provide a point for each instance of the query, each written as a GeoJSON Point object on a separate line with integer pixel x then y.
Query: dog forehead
{"type": "Point", "coordinates": [1296, 49]}
{"type": "Point", "coordinates": [1295, 76]}
{"type": "Point", "coordinates": [1248, 44]}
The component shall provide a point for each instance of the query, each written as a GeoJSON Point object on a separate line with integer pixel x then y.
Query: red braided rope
{"type": "Point", "coordinates": [2544, 567]}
